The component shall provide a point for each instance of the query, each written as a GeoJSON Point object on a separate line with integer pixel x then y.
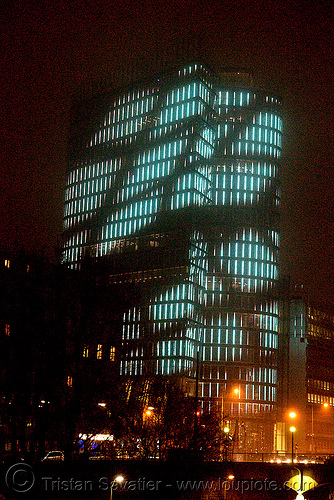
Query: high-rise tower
{"type": "Point", "coordinates": [172, 182]}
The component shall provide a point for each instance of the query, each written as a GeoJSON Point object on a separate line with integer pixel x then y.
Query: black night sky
{"type": "Point", "coordinates": [51, 49]}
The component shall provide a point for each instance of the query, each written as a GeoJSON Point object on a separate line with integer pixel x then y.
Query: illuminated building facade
{"type": "Point", "coordinates": [311, 375]}
{"type": "Point", "coordinates": [173, 183]}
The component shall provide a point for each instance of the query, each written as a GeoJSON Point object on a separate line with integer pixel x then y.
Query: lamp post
{"type": "Point", "coordinates": [312, 428]}
{"type": "Point", "coordinates": [236, 395]}
{"type": "Point", "coordinates": [118, 479]}
{"type": "Point", "coordinates": [292, 415]}
{"type": "Point", "coordinates": [229, 395]}
{"type": "Point", "coordinates": [226, 442]}
{"type": "Point", "coordinates": [227, 481]}
{"type": "Point", "coordinates": [292, 430]}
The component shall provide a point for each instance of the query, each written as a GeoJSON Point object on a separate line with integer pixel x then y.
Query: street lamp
{"type": "Point", "coordinates": [292, 430]}
{"type": "Point", "coordinates": [118, 479]}
{"type": "Point", "coordinates": [149, 411]}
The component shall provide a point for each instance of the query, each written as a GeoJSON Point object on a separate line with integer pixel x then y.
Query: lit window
{"type": "Point", "coordinates": [7, 263]}
{"type": "Point", "coordinates": [112, 353]}
{"type": "Point", "coordinates": [99, 351]}
{"type": "Point", "coordinates": [85, 351]}
{"type": "Point", "coordinates": [69, 381]}
{"type": "Point", "coordinates": [7, 329]}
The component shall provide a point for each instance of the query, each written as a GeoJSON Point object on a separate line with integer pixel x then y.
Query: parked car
{"type": "Point", "coordinates": [54, 456]}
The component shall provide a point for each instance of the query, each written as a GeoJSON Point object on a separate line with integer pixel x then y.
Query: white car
{"type": "Point", "coordinates": [54, 456]}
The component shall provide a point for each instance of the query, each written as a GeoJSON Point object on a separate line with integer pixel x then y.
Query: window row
{"type": "Point", "coordinates": [223, 337]}
{"type": "Point", "coordinates": [320, 399]}
{"type": "Point", "coordinates": [244, 148]}
{"type": "Point", "coordinates": [255, 168]}
{"type": "Point", "coordinates": [251, 392]}
{"type": "Point", "coordinates": [188, 91]}
{"type": "Point", "coordinates": [178, 348]}
{"type": "Point", "coordinates": [97, 351]}
{"type": "Point", "coordinates": [243, 354]}
{"type": "Point", "coordinates": [93, 170]}
{"type": "Point", "coordinates": [169, 366]}
{"type": "Point", "coordinates": [234, 98]}
{"type": "Point", "coordinates": [81, 205]}
{"type": "Point", "coordinates": [232, 320]}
